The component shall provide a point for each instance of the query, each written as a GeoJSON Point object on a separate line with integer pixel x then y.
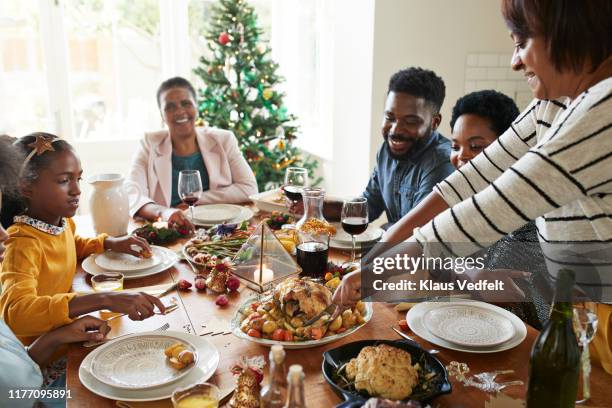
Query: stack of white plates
{"type": "Point", "coordinates": [134, 367]}
{"type": "Point", "coordinates": [130, 266]}
{"type": "Point", "coordinates": [469, 326]}
{"type": "Point", "coordinates": [342, 240]}
{"type": "Point", "coordinates": [212, 214]}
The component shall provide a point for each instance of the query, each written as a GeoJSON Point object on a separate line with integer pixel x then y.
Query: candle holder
{"type": "Point", "coordinates": [263, 261]}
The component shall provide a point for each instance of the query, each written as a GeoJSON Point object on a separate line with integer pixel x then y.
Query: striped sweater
{"type": "Point", "coordinates": [553, 165]}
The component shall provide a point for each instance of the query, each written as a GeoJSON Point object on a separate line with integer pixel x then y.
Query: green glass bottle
{"type": "Point", "coordinates": [555, 358]}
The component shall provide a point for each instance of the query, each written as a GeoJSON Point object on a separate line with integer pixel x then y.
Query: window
{"type": "Point", "coordinates": [114, 67]}
{"type": "Point", "coordinates": [89, 69]}
{"type": "Point", "coordinates": [24, 107]}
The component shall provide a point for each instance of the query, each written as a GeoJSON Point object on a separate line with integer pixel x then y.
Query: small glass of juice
{"type": "Point", "coordinates": [108, 281]}
{"type": "Point", "coordinates": [203, 395]}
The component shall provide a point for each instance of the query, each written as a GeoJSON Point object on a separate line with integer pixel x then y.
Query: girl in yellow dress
{"type": "Point", "coordinates": [42, 250]}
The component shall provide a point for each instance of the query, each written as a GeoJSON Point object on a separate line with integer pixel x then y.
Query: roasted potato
{"type": "Point", "coordinates": [269, 327]}
{"type": "Point", "coordinates": [186, 357]}
{"type": "Point", "coordinates": [336, 324]}
{"type": "Point", "coordinates": [176, 364]}
{"type": "Point", "coordinates": [168, 350]}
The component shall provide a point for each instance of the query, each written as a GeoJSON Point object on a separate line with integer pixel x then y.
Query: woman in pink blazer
{"type": "Point", "coordinates": [226, 176]}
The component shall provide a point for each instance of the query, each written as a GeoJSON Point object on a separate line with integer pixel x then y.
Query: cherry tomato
{"type": "Point", "coordinates": [254, 333]}
{"type": "Point", "coordinates": [288, 336]}
{"type": "Point", "coordinates": [403, 325]}
{"type": "Point", "coordinates": [278, 335]}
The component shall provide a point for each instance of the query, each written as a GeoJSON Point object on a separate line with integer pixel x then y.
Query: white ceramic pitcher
{"type": "Point", "coordinates": [109, 203]}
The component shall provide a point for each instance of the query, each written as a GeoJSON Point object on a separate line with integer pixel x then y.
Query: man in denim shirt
{"type": "Point", "coordinates": [414, 157]}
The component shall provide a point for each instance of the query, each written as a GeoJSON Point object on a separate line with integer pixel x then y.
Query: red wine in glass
{"type": "Point", "coordinates": [190, 200]}
{"type": "Point", "coordinates": [190, 188]}
{"type": "Point", "coordinates": [312, 258]}
{"type": "Point", "coordinates": [354, 220]}
{"type": "Point", "coordinates": [355, 225]}
{"type": "Point", "coordinates": [293, 193]}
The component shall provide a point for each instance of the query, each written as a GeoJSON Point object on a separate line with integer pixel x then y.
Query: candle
{"type": "Point", "coordinates": [266, 274]}
{"type": "Point", "coordinates": [160, 224]}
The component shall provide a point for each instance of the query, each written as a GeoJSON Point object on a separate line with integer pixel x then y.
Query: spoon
{"type": "Point", "coordinates": [407, 337]}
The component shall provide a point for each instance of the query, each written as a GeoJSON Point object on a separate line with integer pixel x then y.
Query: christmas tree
{"type": "Point", "coordinates": [241, 93]}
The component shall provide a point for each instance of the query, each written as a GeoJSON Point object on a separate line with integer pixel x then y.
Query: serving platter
{"type": "Point", "coordinates": [238, 317]}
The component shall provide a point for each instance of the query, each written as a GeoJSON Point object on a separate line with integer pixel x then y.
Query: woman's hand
{"type": "Point", "coordinates": [349, 291]}
{"type": "Point", "coordinates": [176, 218]}
{"type": "Point", "coordinates": [138, 306]}
{"type": "Point", "coordinates": [128, 245]}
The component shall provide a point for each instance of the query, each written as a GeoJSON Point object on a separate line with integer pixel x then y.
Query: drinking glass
{"type": "Point", "coordinates": [203, 395]}
{"type": "Point", "coordinates": [585, 326]}
{"type": "Point", "coordinates": [354, 221]}
{"type": "Point", "coordinates": [108, 281]}
{"type": "Point", "coordinates": [311, 252]}
{"type": "Point", "coordinates": [296, 178]}
{"type": "Point", "coordinates": [190, 188]}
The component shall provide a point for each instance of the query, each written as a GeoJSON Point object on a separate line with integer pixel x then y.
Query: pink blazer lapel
{"type": "Point", "coordinates": [211, 156]}
{"type": "Point", "coordinates": [162, 164]}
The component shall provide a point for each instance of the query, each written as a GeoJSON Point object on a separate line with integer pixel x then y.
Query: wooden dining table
{"type": "Point", "coordinates": [197, 314]}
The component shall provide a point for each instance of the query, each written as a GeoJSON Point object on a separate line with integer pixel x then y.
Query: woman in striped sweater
{"type": "Point", "coordinates": [554, 164]}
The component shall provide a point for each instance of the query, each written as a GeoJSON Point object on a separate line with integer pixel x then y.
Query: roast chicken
{"type": "Point", "coordinates": [297, 295]}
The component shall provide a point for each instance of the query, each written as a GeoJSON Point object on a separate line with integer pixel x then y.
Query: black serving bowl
{"type": "Point", "coordinates": [332, 359]}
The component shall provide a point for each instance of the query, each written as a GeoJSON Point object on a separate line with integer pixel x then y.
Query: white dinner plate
{"type": "Point", "coordinates": [121, 262]}
{"type": "Point", "coordinates": [215, 213]}
{"type": "Point", "coordinates": [468, 325]}
{"type": "Point", "coordinates": [371, 235]}
{"type": "Point", "coordinates": [169, 258]}
{"type": "Point", "coordinates": [414, 318]}
{"type": "Point", "coordinates": [238, 317]}
{"type": "Point", "coordinates": [204, 369]}
{"type": "Point", "coordinates": [138, 362]}
{"type": "Point", "coordinates": [245, 214]}
{"type": "Point", "coordinates": [347, 247]}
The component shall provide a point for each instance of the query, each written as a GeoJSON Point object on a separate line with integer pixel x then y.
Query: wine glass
{"type": "Point", "coordinates": [296, 178]}
{"type": "Point", "coordinates": [354, 220]}
{"type": "Point", "coordinates": [190, 188]}
{"type": "Point", "coordinates": [585, 326]}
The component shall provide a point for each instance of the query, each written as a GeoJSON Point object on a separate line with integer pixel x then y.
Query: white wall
{"type": "Point", "coordinates": [433, 34]}
{"type": "Point", "coordinates": [353, 34]}
{"type": "Point", "coordinates": [102, 157]}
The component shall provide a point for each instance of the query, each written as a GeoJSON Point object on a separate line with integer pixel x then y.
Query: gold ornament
{"type": "Point", "coordinates": [281, 145]}
{"type": "Point", "coordinates": [267, 93]}
{"type": "Point", "coordinates": [216, 281]}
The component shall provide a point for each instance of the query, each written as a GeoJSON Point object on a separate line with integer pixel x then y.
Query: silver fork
{"type": "Point", "coordinates": [89, 344]}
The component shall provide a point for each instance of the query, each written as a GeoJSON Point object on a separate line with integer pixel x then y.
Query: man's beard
{"type": "Point", "coordinates": [416, 141]}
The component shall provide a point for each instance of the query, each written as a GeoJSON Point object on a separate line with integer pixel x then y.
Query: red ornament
{"type": "Point", "coordinates": [232, 283]}
{"type": "Point", "coordinates": [224, 38]}
{"type": "Point", "coordinates": [221, 301]}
